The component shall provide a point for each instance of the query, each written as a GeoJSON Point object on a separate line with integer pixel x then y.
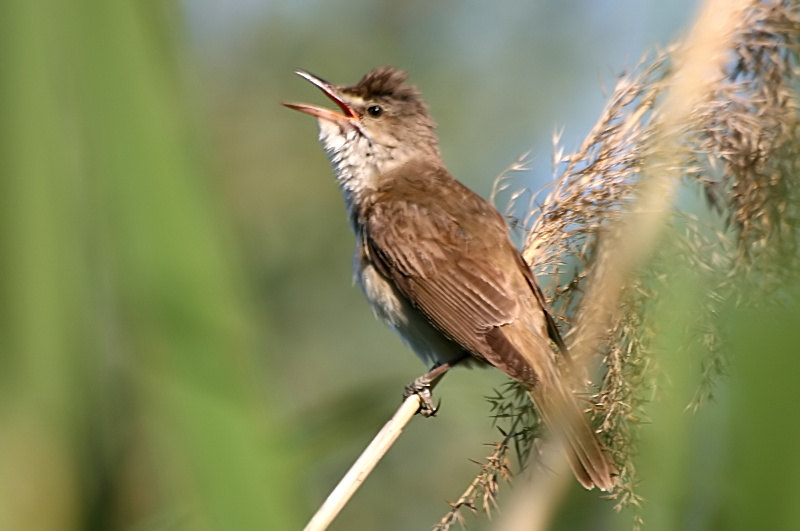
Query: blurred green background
{"type": "Point", "coordinates": [181, 346]}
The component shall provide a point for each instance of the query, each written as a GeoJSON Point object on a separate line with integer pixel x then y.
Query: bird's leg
{"type": "Point", "coordinates": [422, 385]}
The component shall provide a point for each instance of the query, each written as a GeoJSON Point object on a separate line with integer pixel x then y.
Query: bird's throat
{"type": "Point", "coordinates": [355, 161]}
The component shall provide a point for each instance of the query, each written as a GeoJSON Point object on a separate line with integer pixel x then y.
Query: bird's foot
{"type": "Point", "coordinates": [422, 388]}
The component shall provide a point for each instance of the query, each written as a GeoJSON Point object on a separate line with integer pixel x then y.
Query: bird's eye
{"type": "Point", "coordinates": [374, 110]}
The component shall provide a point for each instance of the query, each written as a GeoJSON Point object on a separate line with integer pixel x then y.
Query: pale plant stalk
{"type": "Point", "coordinates": [358, 473]}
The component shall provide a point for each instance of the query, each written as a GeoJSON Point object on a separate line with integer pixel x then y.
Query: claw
{"type": "Point", "coordinates": [422, 385]}
{"type": "Point", "coordinates": [422, 388]}
{"type": "Point", "coordinates": [433, 410]}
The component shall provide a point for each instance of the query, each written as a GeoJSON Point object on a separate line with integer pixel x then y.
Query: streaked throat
{"type": "Point", "coordinates": [352, 157]}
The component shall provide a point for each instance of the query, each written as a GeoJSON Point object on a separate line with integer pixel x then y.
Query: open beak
{"type": "Point", "coordinates": [347, 115]}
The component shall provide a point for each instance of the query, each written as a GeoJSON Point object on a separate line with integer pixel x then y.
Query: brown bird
{"type": "Point", "coordinates": [435, 260]}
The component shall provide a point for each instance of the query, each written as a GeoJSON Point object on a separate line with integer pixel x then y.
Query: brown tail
{"type": "Point", "coordinates": [523, 354]}
{"type": "Point", "coordinates": [569, 425]}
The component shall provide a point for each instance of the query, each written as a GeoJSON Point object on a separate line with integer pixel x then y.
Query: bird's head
{"type": "Point", "coordinates": [381, 124]}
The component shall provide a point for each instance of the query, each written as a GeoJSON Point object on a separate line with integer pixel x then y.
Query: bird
{"type": "Point", "coordinates": [436, 262]}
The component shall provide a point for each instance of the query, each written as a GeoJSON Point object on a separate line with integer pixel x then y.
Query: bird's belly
{"type": "Point", "coordinates": [394, 309]}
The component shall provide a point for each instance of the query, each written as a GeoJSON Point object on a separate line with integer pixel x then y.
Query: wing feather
{"type": "Point", "coordinates": [444, 269]}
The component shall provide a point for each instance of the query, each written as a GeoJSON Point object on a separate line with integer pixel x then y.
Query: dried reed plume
{"type": "Point", "coordinates": [731, 132]}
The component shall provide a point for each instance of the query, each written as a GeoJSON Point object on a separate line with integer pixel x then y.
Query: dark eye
{"type": "Point", "coordinates": [374, 110]}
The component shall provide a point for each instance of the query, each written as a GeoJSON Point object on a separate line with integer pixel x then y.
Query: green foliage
{"type": "Point", "coordinates": [130, 391]}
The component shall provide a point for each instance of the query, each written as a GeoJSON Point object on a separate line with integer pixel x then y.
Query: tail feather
{"type": "Point", "coordinates": [569, 425]}
{"type": "Point", "coordinates": [525, 356]}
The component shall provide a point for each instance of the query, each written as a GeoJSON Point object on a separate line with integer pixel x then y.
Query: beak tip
{"type": "Point", "coordinates": [294, 106]}
{"type": "Point", "coordinates": [319, 82]}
